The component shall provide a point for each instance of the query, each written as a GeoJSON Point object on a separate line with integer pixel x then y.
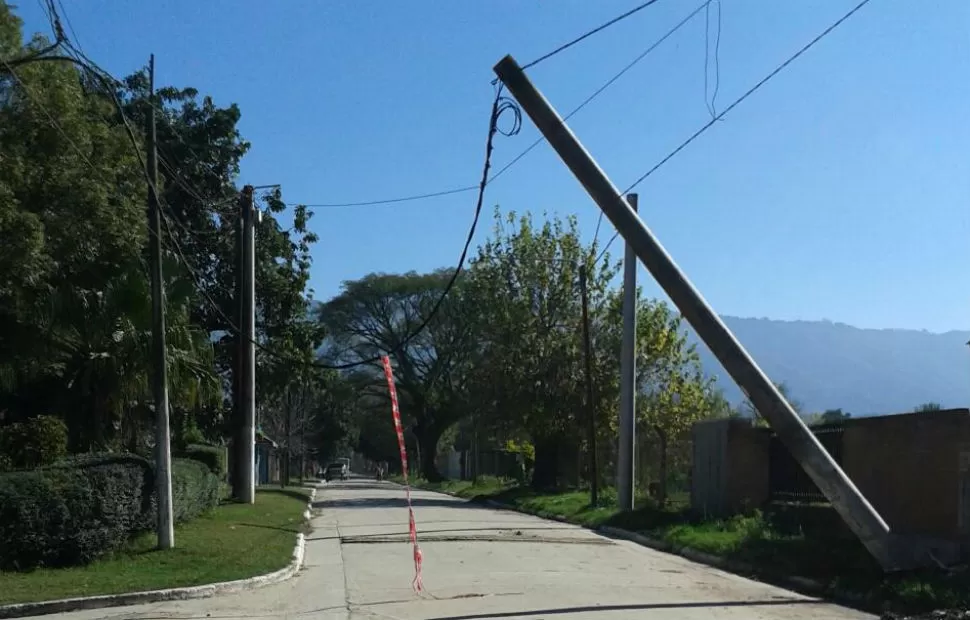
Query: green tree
{"type": "Point", "coordinates": [928, 408]}
{"type": "Point", "coordinates": [527, 378]}
{"type": "Point", "coordinates": [376, 315]}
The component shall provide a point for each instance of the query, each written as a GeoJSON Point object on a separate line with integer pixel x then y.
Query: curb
{"type": "Point", "coordinates": [803, 585]}
{"type": "Point", "coordinates": [40, 608]}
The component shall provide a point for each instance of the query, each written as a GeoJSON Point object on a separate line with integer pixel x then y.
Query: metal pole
{"type": "Point", "coordinates": [163, 439]}
{"type": "Point", "coordinates": [590, 405]}
{"type": "Point", "coordinates": [858, 514]}
{"type": "Point", "coordinates": [247, 358]}
{"type": "Point", "coordinates": [626, 465]}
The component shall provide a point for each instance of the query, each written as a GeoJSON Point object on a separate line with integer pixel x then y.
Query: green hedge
{"type": "Point", "coordinates": [214, 458]}
{"type": "Point", "coordinates": [195, 489]}
{"type": "Point", "coordinates": [79, 509]}
{"type": "Point", "coordinates": [33, 443]}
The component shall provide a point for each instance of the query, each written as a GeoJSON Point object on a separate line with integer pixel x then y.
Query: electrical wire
{"type": "Point", "coordinates": [33, 97]}
{"type": "Point", "coordinates": [588, 34]}
{"type": "Point", "coordinates": [736, 102]}
{"type": "Point", "coordinates": [500, 106]}
{"type": "Point", "coordinates": [596, 93]}
{"type": "Point", "coordinates": [710, 99]}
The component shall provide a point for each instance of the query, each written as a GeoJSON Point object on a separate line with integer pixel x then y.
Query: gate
{"type": "Point", "coordinates": [788, 481]}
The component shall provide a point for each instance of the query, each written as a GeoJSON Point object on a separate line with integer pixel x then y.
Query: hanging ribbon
{"type": "Point", "coordinates": [412, 528]}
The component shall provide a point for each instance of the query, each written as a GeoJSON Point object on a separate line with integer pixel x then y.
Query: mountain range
{"type": "Point", "coordinates": [828, 365]}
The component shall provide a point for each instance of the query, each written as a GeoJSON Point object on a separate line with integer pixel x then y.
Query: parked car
{"type": "Point", "coordinates": [335, 471]}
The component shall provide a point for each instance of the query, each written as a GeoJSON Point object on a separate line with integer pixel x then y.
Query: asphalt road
{"type": "Point", "coordinates": [481, 563]}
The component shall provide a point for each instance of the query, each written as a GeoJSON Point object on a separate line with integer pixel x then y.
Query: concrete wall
{"type": "Point", "coordinates": [908, 467]}
{"type": "Point", "coordinates": [730, 467]}
{"type": "Point", "coordinates": [914, 468]}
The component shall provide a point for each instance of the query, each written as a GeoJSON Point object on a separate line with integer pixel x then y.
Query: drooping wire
{"type": "Point", "coordinates": [596, 93]}
{"type": "Point", "coordinates": [588, 34]}
{"type": "Point", "coordinates": [710, 99]}
{"type": "Point", "coordinates": [737, 102]}
{"type": "Point", "coordinates": [500, 106]}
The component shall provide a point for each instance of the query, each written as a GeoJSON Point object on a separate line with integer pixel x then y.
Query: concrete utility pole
{"type": "Point", "coordinates": [853, 507]}
{"type": "Point", "coordinates": [287, 448]}
{"type": "Point", "coordinates": [247, 352]}
{"type": "Point", "coordinates": [626, 464]}
{"type": "Point", "coordinates": [163, 439]}
{"type": "Point", "coordinates": [590, 405]}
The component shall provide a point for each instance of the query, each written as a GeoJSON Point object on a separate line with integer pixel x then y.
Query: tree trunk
{"type": "Point", "coordinates": [662, 483]}
{"type": "Point", "coordinates": [545, 472]}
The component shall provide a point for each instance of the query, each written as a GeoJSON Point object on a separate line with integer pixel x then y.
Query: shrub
{"type": "Point", "coordinates": [214, 457]}
{"type": "Point", "coordinates": [87, 506]}
{"type": "Point", "coordinates": [195, 489]}
{"type": "Point", "coordinates": [72, 512]}
{"type": "Point", "coordinates": [33, 443]}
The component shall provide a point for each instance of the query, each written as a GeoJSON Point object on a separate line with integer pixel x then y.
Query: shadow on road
{"type": "Point", "coordinates": [427, 531]}
{"type": "Point", "coordinates": [389, 502]}
{"type": "Point", "coordinates": [643, 606]}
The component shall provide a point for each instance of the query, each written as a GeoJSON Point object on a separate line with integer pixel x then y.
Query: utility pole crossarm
{"type": "Point", "coordinates": [851, 505]}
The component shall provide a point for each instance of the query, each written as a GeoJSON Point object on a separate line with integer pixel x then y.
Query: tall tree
{"type": "Point", "coordinates": [528, 372]}
{"type": "Point", "coordinates": [381, 314]}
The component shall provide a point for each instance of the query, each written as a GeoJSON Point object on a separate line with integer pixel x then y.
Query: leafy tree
{"type": "Point", "coordinates": [377, 315]}
{"type": "Point", "coordinates": [928, 408]}
{"type": "Point", "coordinates": [528, 365]}
{"type": "Point", "coordinates": [672, 391]}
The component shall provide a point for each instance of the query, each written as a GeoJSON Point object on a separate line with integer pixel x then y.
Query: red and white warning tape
{"type": "Point", "coordinates": [412, 527]}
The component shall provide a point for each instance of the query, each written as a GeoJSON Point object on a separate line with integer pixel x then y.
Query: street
{"type": "Point", "coordinates": [480, 563]}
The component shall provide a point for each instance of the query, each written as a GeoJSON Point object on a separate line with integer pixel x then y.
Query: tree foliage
{"type": "Point", "coordinates": [75, 301]}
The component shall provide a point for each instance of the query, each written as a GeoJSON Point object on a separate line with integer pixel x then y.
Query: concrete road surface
{"type": "Point", "coordinates": [481, 563]}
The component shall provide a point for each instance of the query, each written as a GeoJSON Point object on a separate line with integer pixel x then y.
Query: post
{"type": "Point", "coordinates": [303, 399]}
{"type": "Point", "coordinates": [626, 463]}
{"type": "Point", "coordinates": [590, 405]}
{"type": "Point", "coordinates": [853, 507]}
{"type": "Point", "coordinates": [287, 452]}
{"type": "Point", "coordinates": [163, 439]}
{"type": "Point", "coordinates": [247, 352]}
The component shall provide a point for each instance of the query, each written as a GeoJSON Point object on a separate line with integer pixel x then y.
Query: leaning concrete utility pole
{"type": "Point", "coordinates": [626, 464]}
{"type": "Point", "coordinates": [163, 439]}
{"type": "Point", "coordinates": [247, 352]}
{"type": "Point", "coordinates": [853, 507]}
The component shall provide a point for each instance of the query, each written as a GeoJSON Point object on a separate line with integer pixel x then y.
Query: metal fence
{"type": "Point", "coordinates": [788, 481]}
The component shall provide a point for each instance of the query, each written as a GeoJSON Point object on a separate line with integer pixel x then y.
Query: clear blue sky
{"type": "Point", "coordinates": [841, 190]}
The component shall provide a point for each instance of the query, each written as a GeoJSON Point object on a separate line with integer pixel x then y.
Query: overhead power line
{"type": "Point", "coordinates": [596, 93]}
{"type": "Point", "coordinates": [589, 33]}
{"type": "Point", "coordinates": [735, 103]}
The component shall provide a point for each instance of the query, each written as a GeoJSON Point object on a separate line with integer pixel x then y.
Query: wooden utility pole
{"type": "Point", "coordinates": [163, 439]}
{"type": "Point", "coordinates": [246, 466]}
{"type": "Point", "coordinates": [846, 498]}
{"type": "Point", "coordinates": [590, 405]}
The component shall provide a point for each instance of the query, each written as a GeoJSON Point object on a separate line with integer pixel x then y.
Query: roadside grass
{"type": "Point", "coordinates": [772, 551]}
{"type": "Point", "coordinates": [234, 541]}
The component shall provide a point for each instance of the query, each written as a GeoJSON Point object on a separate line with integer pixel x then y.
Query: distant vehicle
{"type": "Point", "coordinates": [334, 471]}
